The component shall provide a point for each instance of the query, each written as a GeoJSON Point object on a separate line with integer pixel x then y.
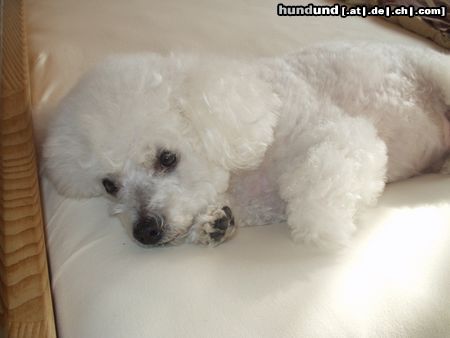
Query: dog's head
{"type": "Point", "coordinates": [160, 137]}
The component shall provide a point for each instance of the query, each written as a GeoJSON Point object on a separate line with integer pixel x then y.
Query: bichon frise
{"type": "Point", "coordinates": [185, 145]}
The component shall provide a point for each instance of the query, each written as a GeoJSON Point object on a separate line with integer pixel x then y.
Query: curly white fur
{"type": "Point", "coordinates": [310, 138]}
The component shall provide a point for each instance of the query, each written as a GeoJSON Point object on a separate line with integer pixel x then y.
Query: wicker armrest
{"type": "Point", "coordinates": [25, 298]}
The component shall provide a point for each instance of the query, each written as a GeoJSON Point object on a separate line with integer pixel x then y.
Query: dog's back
{"type": "Point", "coordinates": [404, 91]}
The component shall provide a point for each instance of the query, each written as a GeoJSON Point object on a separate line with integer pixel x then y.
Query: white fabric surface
{"type": "Point", "coordinates": [394, 280]}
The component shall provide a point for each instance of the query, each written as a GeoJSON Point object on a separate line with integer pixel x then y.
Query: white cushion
{"type": "Point", "coordinates": [394, 280]}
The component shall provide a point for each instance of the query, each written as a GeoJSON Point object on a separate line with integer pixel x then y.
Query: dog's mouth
{"type": "Point", "coordinates": [175, 238]}
{"type": "Point", "coordinates": [170, 238]}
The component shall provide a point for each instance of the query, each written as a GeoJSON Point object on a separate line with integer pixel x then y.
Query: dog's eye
{"type": "Point", "coordinates": [167, 159]}
{"type": "Point", "coordinates": [110, 187]}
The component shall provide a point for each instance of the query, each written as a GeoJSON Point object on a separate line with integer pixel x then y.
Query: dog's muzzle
{"type": "Point", "coordinates": [148, 230]}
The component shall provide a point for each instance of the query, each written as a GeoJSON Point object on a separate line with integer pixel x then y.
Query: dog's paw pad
{"type": "Point", "coordinates": [223, 227]}
{"type": "Point", "coordinates": [214, 227]}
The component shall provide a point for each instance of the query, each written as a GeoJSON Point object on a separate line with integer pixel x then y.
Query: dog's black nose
{"type": "Point", "coordinates": [148, 230]}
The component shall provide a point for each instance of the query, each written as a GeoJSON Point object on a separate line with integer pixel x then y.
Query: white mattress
{"type": "Point", "coordinates": [394, 279]}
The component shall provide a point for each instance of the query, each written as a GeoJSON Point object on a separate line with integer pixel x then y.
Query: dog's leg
{"type": "Point", "coordinates": [213, 227]}
{"type": "Point", "coordinates": [325, 186]}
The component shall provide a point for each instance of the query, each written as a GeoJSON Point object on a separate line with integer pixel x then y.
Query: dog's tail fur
{"type": "Point", "coordinates": [439, 72]}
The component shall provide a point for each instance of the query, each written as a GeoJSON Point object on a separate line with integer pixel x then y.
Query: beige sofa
{"type": "Point", "coordinates": [393, 280]}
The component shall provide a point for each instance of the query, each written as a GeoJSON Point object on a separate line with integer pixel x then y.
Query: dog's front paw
{"type": "Point", "coordinates": [213, 228]}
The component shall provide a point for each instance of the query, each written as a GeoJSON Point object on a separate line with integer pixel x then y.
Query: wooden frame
{"type": "Point", "coordinates": [25, 299]}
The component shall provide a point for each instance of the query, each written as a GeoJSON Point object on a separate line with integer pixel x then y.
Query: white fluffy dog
{"type": "Point", "coordinates": [184, 145]}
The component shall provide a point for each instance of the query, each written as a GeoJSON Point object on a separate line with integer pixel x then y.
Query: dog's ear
{"type": "Point", "coordinates": [70, 154]}
{"type": "Point", "coordinates": [68, 161]}
{"type": "Point", "coordinates": [83, 144]}
{"type": "Point", "coordinates": [232, 110]}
